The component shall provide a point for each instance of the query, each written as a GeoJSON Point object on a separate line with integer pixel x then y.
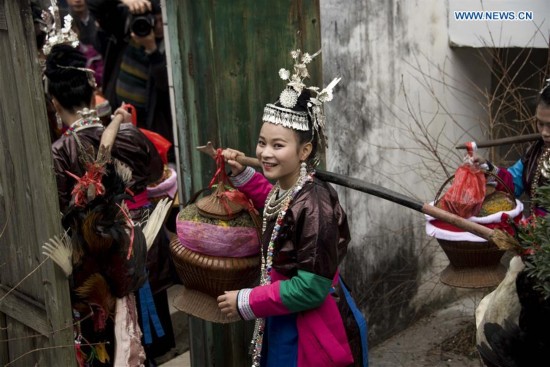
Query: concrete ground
{"type": "Point", "coordinates": [441, 339]}
{"type": "Point", "coordinates": [446, 338]}
{"type": "Point", "coordinates": [183, 360]}
{"type": "Point", "coordinates": [179, 356]}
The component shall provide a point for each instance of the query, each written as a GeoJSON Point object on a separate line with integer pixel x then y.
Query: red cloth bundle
{"type": "Point", "coordinates": [467, 192]}
{"type": "Point", "coordinates": [160, 142]}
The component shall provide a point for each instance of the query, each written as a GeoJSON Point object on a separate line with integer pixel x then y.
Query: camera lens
{"type": "Point", "coordinates": [141, 25]}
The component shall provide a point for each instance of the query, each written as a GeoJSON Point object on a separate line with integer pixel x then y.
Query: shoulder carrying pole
{"type": "Point", "coordinates": [500, 238]}
{"type": "Point", "coordinates": [504, 141]}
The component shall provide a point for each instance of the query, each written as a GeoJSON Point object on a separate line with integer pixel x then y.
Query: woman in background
{"type": "Point", "coordinates": [71, 87]}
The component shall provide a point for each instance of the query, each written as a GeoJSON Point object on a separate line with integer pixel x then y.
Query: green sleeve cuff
{"type": "Point", "coordinates": [304, 291]}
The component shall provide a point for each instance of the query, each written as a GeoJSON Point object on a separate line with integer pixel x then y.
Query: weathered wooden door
{"type": "Point", "coordinates": [35, 312]}
{"type": "Point", "coordinates": [225, 61]}
{"type": "Point", "coordinates": [225, 58]}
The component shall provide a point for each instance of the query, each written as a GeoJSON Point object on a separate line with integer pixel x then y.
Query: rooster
{"type": "Point", "coordinates": [105, 255]}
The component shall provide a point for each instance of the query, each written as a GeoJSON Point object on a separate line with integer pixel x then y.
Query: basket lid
{"type": "Point", "coordinates": [219, 206]}
{"type": "Point", "coordinates": [201, 305]}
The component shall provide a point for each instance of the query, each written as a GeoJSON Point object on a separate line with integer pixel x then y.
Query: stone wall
{"type": "Point", "coordinates": [399, 78]}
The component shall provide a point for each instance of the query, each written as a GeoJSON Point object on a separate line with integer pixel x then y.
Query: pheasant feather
{"type": "Point", "coordinates": [156, 219]}
{"type": "Point", "coordinates": [60, 250]}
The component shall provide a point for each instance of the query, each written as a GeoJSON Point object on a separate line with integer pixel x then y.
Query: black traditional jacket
{"type": "Point", "coordinates": [131, 147]}
{"type": "Point", "coordinates": [315, 233]}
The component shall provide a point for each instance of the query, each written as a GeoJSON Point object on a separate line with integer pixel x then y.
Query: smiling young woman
{"type": "Point", "coordinates": [280, 152]}
{"type": "Point", "coordinates": [304, 314]}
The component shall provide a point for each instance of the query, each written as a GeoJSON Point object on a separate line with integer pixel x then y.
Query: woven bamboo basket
{"type": "Point", "coordinates": [472, 264]}
{"type": "Point", "coordinates": [207, 258]}
{"type": "Point", "coordinates": [213, 274]}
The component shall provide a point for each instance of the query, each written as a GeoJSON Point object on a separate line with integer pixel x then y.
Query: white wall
{"type": "Point", "coordinates": [390, 53]}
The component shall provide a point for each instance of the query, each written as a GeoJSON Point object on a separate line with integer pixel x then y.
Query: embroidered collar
{"type": "Point", "coordinates": [83, 123]}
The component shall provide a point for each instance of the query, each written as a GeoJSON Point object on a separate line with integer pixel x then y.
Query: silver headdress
{"type": "Point", "coordinates": [55, 33]}
{"type": "Point", "coordinates": [546, 85]}
{"type": "Point", "coordinates": [298, 120]}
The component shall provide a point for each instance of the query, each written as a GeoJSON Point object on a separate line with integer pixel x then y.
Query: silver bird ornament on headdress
{"type": "Point", "coordinates": [288, 98]}
{"type": "Point", "coordinates": [56, 34]}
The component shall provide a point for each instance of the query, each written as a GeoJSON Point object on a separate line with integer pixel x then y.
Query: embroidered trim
{"type": "Point", "coordinates": [243, 304]}
{"type": "Point", "coordinates": [243, 177]}
{"type": "Point", "coordinates": [83, 123]}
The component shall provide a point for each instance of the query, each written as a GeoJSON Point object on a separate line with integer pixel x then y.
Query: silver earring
{"type": "Point", "coordinates": [59, 121]}
{"type": "Point", "coordinates": [303, 169]}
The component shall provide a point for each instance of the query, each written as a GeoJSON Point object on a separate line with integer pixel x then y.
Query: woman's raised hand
{"type": "Point", "coordinates": [230, 157]}
{"type": "Point", "coordinates": [137, 6]}
{"type": "Point", "coordinates": [126, 116]}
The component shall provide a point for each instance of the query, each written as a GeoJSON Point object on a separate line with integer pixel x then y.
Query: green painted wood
{"type": "Point", "coordinates": [172, 11]}
{"type": "Point", "coordinates": [229, 57]}
{"type": "Point", "coordinates": [225, 57]}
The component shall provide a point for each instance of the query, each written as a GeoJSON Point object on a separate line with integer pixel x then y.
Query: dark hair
{"type": "Point", "coordinates": [309, 136]}
{"type": "Point", "coordinates": [544, 96]}
{"type": "Point", "coordinates": [71, 87]}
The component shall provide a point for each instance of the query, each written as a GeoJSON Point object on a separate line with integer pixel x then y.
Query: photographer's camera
{"type": "Point", "coordinates": [142, 24]}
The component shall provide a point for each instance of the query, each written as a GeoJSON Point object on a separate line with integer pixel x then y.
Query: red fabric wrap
{"type": "Point", "coordinates": [220, 239]}
{"type": "Point", "coordinates": [504, 224]}
{"type": "Point", "coordinates": [160, 142]}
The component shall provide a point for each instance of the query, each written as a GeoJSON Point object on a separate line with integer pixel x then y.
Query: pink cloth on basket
{"type": "Point", "coordinates": [214, 240]}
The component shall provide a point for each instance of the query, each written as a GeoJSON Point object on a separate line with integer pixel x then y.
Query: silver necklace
{"type": "Point", "coordinates": [275, 202]}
